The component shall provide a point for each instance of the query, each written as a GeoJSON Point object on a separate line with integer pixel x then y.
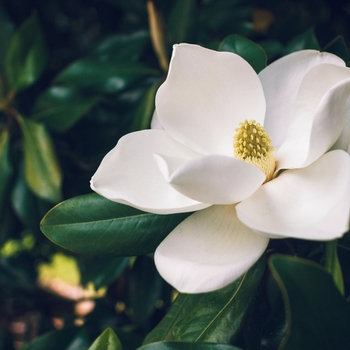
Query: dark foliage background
{"type": "Point", "coordinates": [96, 112]}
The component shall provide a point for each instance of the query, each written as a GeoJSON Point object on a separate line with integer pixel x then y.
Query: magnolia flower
{"type": "Point", "coordinates": [248, 153]}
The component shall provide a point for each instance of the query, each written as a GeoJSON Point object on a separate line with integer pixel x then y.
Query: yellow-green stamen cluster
{"type": "Point", "coordinates": [252, 144]}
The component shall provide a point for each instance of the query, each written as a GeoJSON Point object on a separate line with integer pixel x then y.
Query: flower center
{"type": "Point", "coordinates": [252, 144]}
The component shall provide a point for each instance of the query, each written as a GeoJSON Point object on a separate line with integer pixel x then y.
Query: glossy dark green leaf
{"type": "Point", "coordinates": [26, 56]}
{"type": "Point", "coordinates": [253, 53]}
{"type": "Point", "coordinates": [60, 107]}
{"type": "Point", "coordinates": [182, 21]}
{"type": "Point", "coordinates": [317, 315]}
{"type": "Point", "coordinates": [144, 112]}
{"type": "Point", "coordinates": [59, 340]}
{"type": "Point", "coordinates": [218, 316]}
{"type": "Point", "coordinates": [344, 259]}
{"type": "Point", "coordinates": [42, 171]}
{"type": "Point", "coordinates": [275, 327]}
{"type": "Point", "coordinates": [306, 40]}
{"type": "Point", "coordinates": [333, 266]}
{"type": "Point", "coordinates": [187, 346]}
{"type": "Point", "coordinates": [93, 225]}
{"type": "Point", "coordinates": [338, 47]}
{"type": "Point", "coordinates": [6, 169]}
{"type": "Point", "coordinates": [101, 272]}
{"type": "Point", "coordinates": [108, 340]}
{"type": "Point", "coordinates": [104, 77]}
{"type": "Point", "coordinates": [180, 308]}
{"type": "Point", "coordinates": [209, 317]}
{"type": "Point", "coordinates": [143, 289]}
{"type": "Point", "coordinates": [121, 48]}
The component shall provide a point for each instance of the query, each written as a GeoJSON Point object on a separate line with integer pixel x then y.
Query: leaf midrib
{"type": "Point", "coordinates": [222, 309]}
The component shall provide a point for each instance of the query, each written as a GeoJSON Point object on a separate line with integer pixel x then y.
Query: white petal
{"type": "Point", "coordinates": [281, 81]}
{"type": "Point", "coordinates": [319, 116]}
{"type": "Point", "coordinates": [208, 250]}
{"type": "Point", "coordinates": [212, 179]}
{"type": "Point", "coordinates": [155, 122]}
{"type": "Point", "coordinates": [310, 203]}
{"type": "Point", "coordinates": [128, 174]}
{"type": "Point", "coordinates": [343, 141]}
{"type": "Point", "coordinates": [205, 96]}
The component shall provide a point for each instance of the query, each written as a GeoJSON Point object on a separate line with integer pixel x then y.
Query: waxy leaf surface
{"type": "Point", "coordinates": [304, 41]}
{"type": "Point", "coordinates": [93, 225]}
{"type": "Point", "coordinates": [318, 317]}
{"type": "Point", "coordinates": [210, 317]}
{"type": "Point", "coordinates": [333, 266]}
{"type": "Point", "coordinates": [108, 340]}
{"type": "Point", "coordinates": [253, 53]}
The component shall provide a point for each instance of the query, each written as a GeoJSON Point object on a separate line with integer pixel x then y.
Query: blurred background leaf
{"type": "Point", "coordinates": [42, 171]}
{"type": "Point", "coordinates": [6, 169]}
{"type": "Point", "coordinates": [187, 346]}
{"type": "Point", "coordinates": [26, 55]}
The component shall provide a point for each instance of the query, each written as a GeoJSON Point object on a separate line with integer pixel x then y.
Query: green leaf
{"type": "Point", "coordinates": [180, 308]}
{"type": "Point", "coordinates": [317, 315]}
{"type": "Point", "coordinates": [210, 317]}
{"type": "Point", "coordinates": [333, 266]}
{"type": "Point", "coordinates": [29, 208]}
{"type": "Point", "coordinates": [219, 315]}
{"type": "Point", "coordinates": [144, 289]}
{"type": "Point", "coordinates": [187, 346]}
{"type": "Point", "coordinates": [338, 47]}
{"type": "Point", "coordinates": [182, 21]}
{"type": "Point", "coordinates": [42, 171]}
{"type": "Point", "coordinates": [26, 56]}
{"type": "Point", "coordinates": [16, 279]}
{"type": "Point", "coordinates": [273, 49]}
{"type": "Point", "coordinates": [6, 169]}
{"type": "Point", "coordinates": [101, 272]}
{"type": "Point", "coordinates": [275, 326]}
{"type": "Point", "coordinates": [60, 107]}
{"type": "Point", "coordinates": [108, 340]}
{"type": "Point", "coordinates": [59, 340]}
{"type": "Point", "coordinates": [144, 112]}
{"type": "Point", "coordinates": [93, 225]}
{"type": "Point", "coordinates": [104, 77]}
{"type": "Point", "coordinates": [306, 40]}
{"type": "Point", "coordinates": [253, 53]}
{"type": "Point", "coordinates": [121, 48]}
